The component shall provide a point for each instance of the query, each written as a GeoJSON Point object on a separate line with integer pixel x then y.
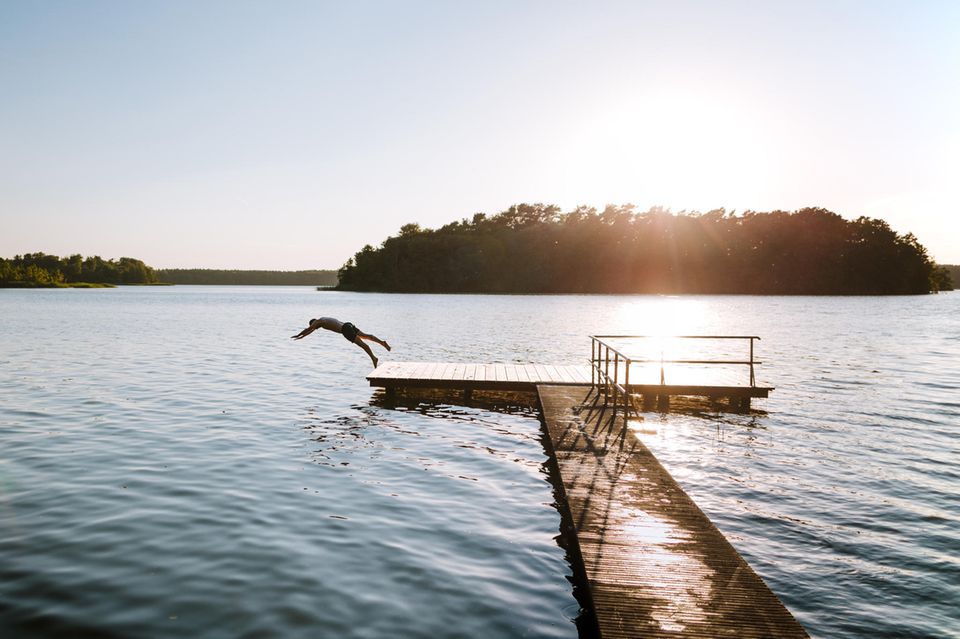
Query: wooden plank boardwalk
{"type": "Point", "coordinates": [476, 376]}
{"type": "Point", "coordinates": [526, 377]}
{"type": "Point", "coordinates": [656, 566]}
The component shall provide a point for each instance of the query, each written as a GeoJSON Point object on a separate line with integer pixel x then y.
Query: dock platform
{"type": "Point", "coordinates": [656, 566]}
{"type": "Point", "coordinates": [468, 377]}
{"type": "Point", "coordinates": [462, 376]}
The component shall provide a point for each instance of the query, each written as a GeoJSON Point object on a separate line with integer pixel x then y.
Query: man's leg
{"type": "Point", "coordinates": [362, 345]}
{"type": "Point", "coordinates": [373, 338]}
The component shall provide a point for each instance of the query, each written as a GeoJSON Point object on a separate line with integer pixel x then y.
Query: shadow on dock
{"type": "Point", "coordinates": [646, 561]}
{"type": "Point", "coordinates": [655, 564]}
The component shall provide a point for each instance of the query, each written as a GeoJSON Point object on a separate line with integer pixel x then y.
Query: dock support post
{"type": "Point", "coordinates": [663, 402]}
{"type": "Point", "coordinates": [745, 404]}
{"type": "Point", "coordinates": [467, 394]}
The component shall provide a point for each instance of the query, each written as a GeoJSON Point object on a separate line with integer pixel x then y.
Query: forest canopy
{"type": "Point", "coordinates": [536, 248]}
{"type": "Point", "coordinates": [953, 272]}
{"type": "Point", "coordinates": [40, 269]}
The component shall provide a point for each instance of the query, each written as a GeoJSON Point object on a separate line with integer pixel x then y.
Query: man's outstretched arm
{"type": "Point", "coordinates": [304, 332]}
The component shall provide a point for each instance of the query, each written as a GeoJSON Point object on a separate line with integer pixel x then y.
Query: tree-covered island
{"type": "Point", "coordinates": [535, 248]}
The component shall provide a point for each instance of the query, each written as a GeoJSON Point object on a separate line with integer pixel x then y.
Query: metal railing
{"type": "Point", "coordinates": [602, 355]}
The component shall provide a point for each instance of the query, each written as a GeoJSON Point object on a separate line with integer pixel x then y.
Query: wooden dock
{"type": "Point", "coordinates": [515, 377]}
{"type": "Point", "coordinates": [526, 377]}
{"type": "Point", "coordinates": [655, 564]}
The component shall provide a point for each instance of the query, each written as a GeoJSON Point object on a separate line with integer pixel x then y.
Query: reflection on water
{"type": "Point", "coordinates": [168, 469]}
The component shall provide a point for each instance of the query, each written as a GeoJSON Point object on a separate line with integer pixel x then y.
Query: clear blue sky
{"type": "Point", "coordinates": [286, 135]}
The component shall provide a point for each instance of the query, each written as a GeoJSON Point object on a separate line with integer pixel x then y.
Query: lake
{"type": "Point", "coordinates": [174, 464]}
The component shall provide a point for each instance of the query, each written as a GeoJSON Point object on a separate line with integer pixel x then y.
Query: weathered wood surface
{"type": "Point", "coordinates": [528, 376]}
{"type": "Point", "coordinates": [704, 391]}
{"type": "Point", "coordinates": [476, 376]}
{"type": "Point", "coordinates": [655, 564]}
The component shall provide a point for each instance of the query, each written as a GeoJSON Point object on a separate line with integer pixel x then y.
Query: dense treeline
{"type": "Point", "coordinates": [40, 269]}
{"type": "Point", "coordinates": [219, 276]}
{"type": "Point", "coordinates": [953, 271]}
{"type": "Point", "coordinates": [535, 248]}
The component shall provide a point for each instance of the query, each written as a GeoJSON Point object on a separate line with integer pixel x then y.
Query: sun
{"type": "Point", "coordinates": [681, 148]}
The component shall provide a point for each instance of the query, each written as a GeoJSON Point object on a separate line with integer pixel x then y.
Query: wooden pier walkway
{"type": "Point", "coordinates": [517, 377]}
{"type": "Point", "coordinates": [526, 377]}
{"type": "Point", "coordinates": [655, 564]}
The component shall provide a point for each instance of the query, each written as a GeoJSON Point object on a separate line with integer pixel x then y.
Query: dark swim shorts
{"type": "Point", "coordinates": [350, 331]}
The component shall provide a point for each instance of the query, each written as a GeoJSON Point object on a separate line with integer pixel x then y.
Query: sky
{"type": "Point", "coordinates": [287, 135]}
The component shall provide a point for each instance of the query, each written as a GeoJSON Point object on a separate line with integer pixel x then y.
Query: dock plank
{"type": "Point", "coordinates": [581, 374]}
{"type": "Point", "coordinates": [542, 374]}
{"type": "Point", "coordinates": [391, 369]}
{"type": "Point", "coordinates": [521, 371]}
{"type": "Point", "coordinates": [420, 371]}
{"type": "Point", "coordinates": [564, 375]}
{"type": "Point", "coordinates": [656, 566]}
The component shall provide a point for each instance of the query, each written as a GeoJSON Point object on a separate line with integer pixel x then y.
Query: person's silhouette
{"type": "Point", "coordinates": [348, 330]}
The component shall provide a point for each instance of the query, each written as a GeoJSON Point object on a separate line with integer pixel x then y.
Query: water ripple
{"type": "Point", "coordinates": [169, 470]}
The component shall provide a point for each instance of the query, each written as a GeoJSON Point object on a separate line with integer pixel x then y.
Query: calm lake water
{"type": "Point", "coordinates": [174, 465]}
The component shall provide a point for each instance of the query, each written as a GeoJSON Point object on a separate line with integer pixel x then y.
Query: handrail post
{"type": "Point", "coordinates": [606, 371]}
{"type": "Point", "coordinates": [626, 388]}
{"type": "Point", "coordinates": [611, 384]}
{"type": "Point", "coordinates": [593, 362]}
{"type": "Point", "coordinates": [616, 380]}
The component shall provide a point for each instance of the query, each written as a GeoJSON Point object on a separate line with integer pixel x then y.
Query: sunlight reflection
{"type": "Point", "coordinates": [662, 320]}
{"type": "Point", "coordinates": [659, 436]}
{"type": "Point", "coordinates": [670, 438]}
{"type": "Point", "coordinates": [662, 317]}
{"type": "Point", "coordinates": [665, 547]}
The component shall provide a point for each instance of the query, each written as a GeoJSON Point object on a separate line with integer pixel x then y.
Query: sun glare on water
{"type": "Point", "coordinates": [663, 317]}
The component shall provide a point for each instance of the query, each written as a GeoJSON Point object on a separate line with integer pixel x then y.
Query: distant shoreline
{"type": "Point", "coordinates": [630, 294]}
{"type": "Point", "coordinates": [237, 277]}
{"type": "Point", "coordinates": [57, 285]}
